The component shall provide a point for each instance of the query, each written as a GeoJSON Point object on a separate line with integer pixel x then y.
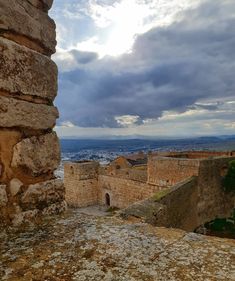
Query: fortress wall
{"type": "Point", "coordinates": [212, 200]}
{"type": "Point", "coordinates": [29, 149]}
{"type": "Point", "coordinates": [126, 173]}
{"type": "Point", "coordinates": [190, 203]}
{"type": "Point", "coordinates": [81, 183]}
{"type": "Point", "coordinates": [123, 192]}
{"type": "Point", "coordinates": [166, 172]}
{"type": "Point", "coordinates": [208, 154]}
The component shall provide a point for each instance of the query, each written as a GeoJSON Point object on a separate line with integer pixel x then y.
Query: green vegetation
{"type": "Point", "coordinates": [222, 227]}
{"type": "Point", "coordinates": [112, 209]}
{"type": "Point", "coordinates": [159, 195]}
{"type": "Point", "coordinates": [229, 179]}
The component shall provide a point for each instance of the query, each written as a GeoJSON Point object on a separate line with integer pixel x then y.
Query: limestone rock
{"type": "Point", "coordinates": [41, 195]}
{"type": "Point", "coordinates": [15, 186]}
{"type": "Point", "coordinates": [16, 113]}
{"type": "Point", "coordinates": [3, 196]}
{"type": "Point", "coordinates": [26, 72]}
{"type": "Point", "coordinates": [38, 154]}
{"type": "Point", "coordinates": [21, 18]}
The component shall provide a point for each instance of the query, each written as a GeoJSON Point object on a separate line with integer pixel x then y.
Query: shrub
{"type": "Point", "coordinates": [229, 179]}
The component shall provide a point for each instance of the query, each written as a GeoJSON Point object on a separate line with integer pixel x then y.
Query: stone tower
{"type": "Point", "coordinates": [29, 149]}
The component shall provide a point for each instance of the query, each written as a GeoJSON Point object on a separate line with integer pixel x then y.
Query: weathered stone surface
{"type": "Point", "coordinates": [42, 4]}
{"type": "Point", "coordinates": [22, 18]}
{"type": "Point", "coordinates": [48, 3]}
{"type": "Point", "coordinates": [26, 72]}
{"type": "Point", "coordinates": [15, 186]}
{"type": "Point", "coordinates": [16, 113]}
{"type": "Point", "coordinates": [38, 154]}
{"type": "Point", "coordinates": [43, 194]}
{"type": "Point", "coordinates": [56, 208]}
{"type": "Point", "coordinates": [3, 196]}
{"type": "Point", "coordinates": [84, 247]}
{"type": "Point", "coordinates": [148, 211]}
{"type": "Point", "coordinates": [24, 217]}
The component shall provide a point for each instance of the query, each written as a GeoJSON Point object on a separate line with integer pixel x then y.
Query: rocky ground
{"type": "Point", "coordinates": [78, 246]}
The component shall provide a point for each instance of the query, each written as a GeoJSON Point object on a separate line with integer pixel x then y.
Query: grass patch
{"type": "Point", "coordinates": [112, 209]}
{"type": "Point", "coordinates": [159, 195]}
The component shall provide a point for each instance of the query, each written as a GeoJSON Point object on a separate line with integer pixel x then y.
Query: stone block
{"type": "Point", "coordinates": [39, 154]}
{"type": "Point", "coordinates": [43, 194]}
{"type": "Point", "coordinates": [36, 28]}
{"type": "Point", "coordinates": [3, 196]}
{"type": "Point", "coordinates": [41, 4]}
{"type": "Point", "coordinates": [17, 113]}
{"type": "Point", "coordinates": [26, 72]}
{"type": "Point", "coordinates": [15, 186]}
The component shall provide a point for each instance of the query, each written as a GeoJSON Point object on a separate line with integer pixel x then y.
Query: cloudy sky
{"type": "Point", "coordinates": [162, 68]}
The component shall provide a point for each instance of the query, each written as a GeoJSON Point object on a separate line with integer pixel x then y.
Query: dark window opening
{"type": "Point", "coordinates": [107, 199]}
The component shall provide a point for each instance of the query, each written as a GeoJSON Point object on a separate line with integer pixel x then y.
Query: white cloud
{"type": "Point", "coordinates": [120, 20]}
{"type": "Point", "coordinates": [67, 124]}
{"type": "Point", "coordinates": [127, 120]}
{"type": "Point", "coordinates": [128, 18]}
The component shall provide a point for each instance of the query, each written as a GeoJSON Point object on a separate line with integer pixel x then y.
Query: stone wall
{"type": "Point", "coordinates": [166, 171]}
{"type": "Point", "coordinates": [127, 173]}
{"type": "Point", "coordinates": [123, 192]}
{"type": "Point", "coordinates": [87, 183]}
{"type": "Point", "coordinates": [191, 203]}
{"type": "Point", "coordinates": [81, 183]}
{"type": "Point", "coordinates": [211, 197]}
{"type": "Point", "coordinates": [29, 149]}
{"type": "Point", "coordinates": [175, 207]}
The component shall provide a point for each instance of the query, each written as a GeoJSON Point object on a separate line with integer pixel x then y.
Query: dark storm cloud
{"type": "Point", "coordinates": [83, 57]}
{"type": "Point", "coordinates": [170, 68]}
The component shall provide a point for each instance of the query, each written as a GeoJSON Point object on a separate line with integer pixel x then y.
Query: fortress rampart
{"type": "Point", "coordinates": [29, 149]}
{"type": "Point", "coordinates": [182, 192]}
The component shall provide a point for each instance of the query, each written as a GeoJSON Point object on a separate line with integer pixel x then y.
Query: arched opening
{"type": "Point", "coordinates": [107, 199]}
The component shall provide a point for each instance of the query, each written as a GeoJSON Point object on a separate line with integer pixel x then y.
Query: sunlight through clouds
{"type": "Point", "coordinates": [127, 18]}
{"type": "Point", "coordinates": [162, 67]}
{"type": "Point", "coordinates": [121, 21]}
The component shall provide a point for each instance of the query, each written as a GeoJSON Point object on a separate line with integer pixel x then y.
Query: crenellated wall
{"type": "Point", "coordinates": [29, 149]}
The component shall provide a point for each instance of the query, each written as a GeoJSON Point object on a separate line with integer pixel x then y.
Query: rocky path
{"type": "Point", "coordinates": [83, 247]}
